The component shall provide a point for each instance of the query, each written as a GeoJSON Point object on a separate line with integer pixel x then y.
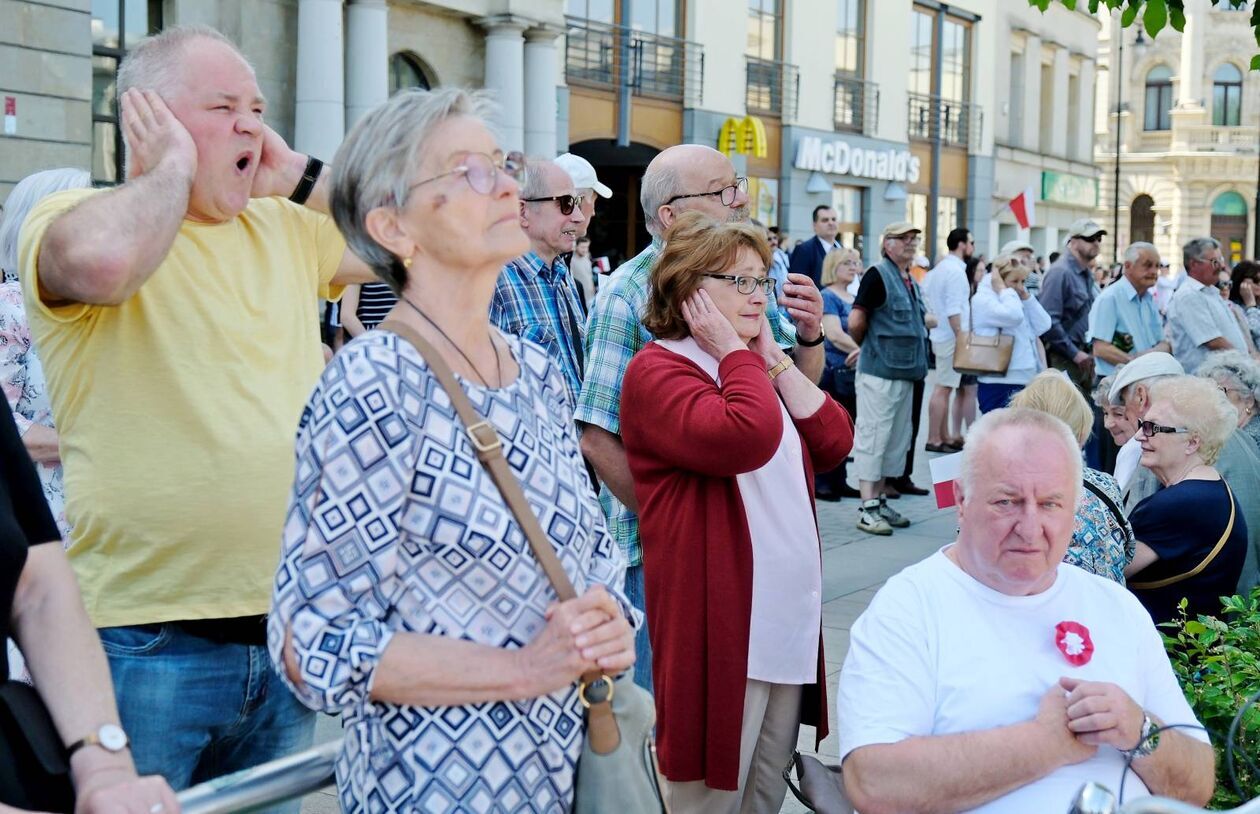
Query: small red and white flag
{"type": "Point", "coordinates": [1024, 209]}
{"type": "Point", "coordinates": [945, 470]}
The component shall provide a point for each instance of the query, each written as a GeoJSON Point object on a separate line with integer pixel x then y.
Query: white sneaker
{"type": "Point", "coordinates": [870, 519]}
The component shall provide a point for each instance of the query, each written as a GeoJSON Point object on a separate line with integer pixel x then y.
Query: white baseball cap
{"type": "Point", "coordinates": [1146, 366]}
{"type": "Point", "coordinates": [1015, 246]}
{"type": "Point", "coordinates": [582, 173]}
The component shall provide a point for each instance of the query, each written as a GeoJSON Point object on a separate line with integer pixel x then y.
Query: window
{"type": "Point", "coordinates": [921, 25]}
{"type": "Point", "coordinates": [955, 60]}
{"type": "Point", "coordinates": [1229, 224]}
{"type": "Point", "coordinates": [1158, 99]}
{"type": "Point", "coordinates": [763, 29]}
{"type": "Point", "coordinates": [1015, 124]}
{"type": "Point", "coordinates": [950, 112]}
{"type": "Point", "coordinates": [600, 11]}
{"type": "Point", "coordinates": [116, 24]}
{"type": "Point", "coordinates": [652, 16]}
{"type": "Point", "coordinates": [1227, 96]}
{"type": "Point", "coordinates": [850, 37]}
{"type": "Point", "coordinates": [950, 212]}
{"type": "Point", "coordinates": [1142, 219]}
{"type": "Point", "coordinates": [406, 71]}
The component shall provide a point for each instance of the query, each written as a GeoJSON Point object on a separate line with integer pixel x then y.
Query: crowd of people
{"type": "Point", "coordinates": [260, 528]}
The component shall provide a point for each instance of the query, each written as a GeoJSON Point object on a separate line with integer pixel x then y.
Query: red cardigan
{"type": "Point", "coordinates": [686, 440]}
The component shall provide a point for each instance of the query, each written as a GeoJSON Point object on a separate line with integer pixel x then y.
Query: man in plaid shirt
{"type": "Point", "coordinates": [536, 296]}
{"type": "Point", "coordinates": [683, 178]}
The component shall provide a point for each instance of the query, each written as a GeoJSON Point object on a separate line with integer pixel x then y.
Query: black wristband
{"type": "Point", "coordinates": [802, 343]}
{"type": "Point", "coordinates": [309, 176]}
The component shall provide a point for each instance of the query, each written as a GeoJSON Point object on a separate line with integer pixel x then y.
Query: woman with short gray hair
{"type": "Point", "coordinates": [407, 597]}
{"type": "Point", "coordinates": [1237, 376]}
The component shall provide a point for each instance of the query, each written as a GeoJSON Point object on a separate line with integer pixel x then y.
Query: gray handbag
{"type": "Point", "coordinates": [821, 787]}
{"type": "Point", "coordinates": [617, 770]}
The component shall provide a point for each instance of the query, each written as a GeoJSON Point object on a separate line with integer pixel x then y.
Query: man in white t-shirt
{"type": "Point", "coordinates": [991, 677]}
{"type": "Point", "coordinates": [948, 293]}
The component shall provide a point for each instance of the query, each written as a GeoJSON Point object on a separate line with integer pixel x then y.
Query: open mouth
{"type": "Point", "coordinates": [243, 162]}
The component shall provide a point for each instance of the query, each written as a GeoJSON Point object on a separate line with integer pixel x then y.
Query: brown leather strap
{"type": "Point", "coordinates": [601, 725]}
{"type": "Point", "coordinates": [1198, 569]}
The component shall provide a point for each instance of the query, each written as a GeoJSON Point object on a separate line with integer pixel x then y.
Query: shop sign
{"type": "Point", "coordinates": [1073, 190]}
{"type": "Point", "coordinates": [840, 158]}
{"type": "Point", "coordinates": [746, 135]}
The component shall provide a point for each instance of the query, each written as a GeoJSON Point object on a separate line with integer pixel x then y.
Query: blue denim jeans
{"type": "Point", "coordinates": [196, 709]}
{"type": "Point", "coordinates": [642, 644]}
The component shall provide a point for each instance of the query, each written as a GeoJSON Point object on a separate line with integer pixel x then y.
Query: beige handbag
{"type": "Point", "coordinates": [983, 355]}
{"type": "Point", "coordinates": [617, 770]}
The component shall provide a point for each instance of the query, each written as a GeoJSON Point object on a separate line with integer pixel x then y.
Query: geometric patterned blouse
{"type": "Point", "coordinates": [393, 525]}
{"type": "Point", "coordinates": [1101, 543]}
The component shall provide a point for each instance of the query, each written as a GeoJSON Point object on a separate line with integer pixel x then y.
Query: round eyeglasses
{"type": "Point", "coordinates": [481, 170]}
{"type": "Point", "coordinates": [747, 285]}
{"type": "Point", "coordinates": [726, 194]}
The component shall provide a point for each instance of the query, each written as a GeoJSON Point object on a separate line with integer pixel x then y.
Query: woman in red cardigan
{"type": "Point", "coordinates": [723, 435]}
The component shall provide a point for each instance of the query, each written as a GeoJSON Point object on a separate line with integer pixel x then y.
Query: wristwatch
{"type": "Point", "coordinates": [109, 737]}
{"type": "Point", "coordinates": [815, 343]}
{"type": "Point", "coordinates": [309, 178]}
{"type": "Point", "coordinates": [1147, 742]}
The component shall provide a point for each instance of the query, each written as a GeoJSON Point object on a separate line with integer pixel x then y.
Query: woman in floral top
{"type": "Point", "coordinates": [1102, 539]}
{"type": "Point", "coordinates": [21, 374]}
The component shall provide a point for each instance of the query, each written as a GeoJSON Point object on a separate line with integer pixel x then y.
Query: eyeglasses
{"type": "Point", "coordinates": [747, 285]}
{"type": "Point", "coordinates": [1224, 284]}
{"type": "Point", "coordinates": [481, 171]}
{"type": "Point", "coordinates": [567, 203]}
{"type": "Point", "coordinates": [910, 239]}
{"type": "Point", "coordinates": [1150, 429]}
{"type": "Point", "coordinates": [727, 194]}
{"type": "Point", "coordinates": [1217, 263]}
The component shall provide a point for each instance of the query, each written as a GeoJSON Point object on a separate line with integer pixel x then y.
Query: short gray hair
{"type": "Point", "coordinates": [658, 186]}
{"type": "Point", "coordinates": [149, 63]}
{"type": "Point", "coordinates": [1201, 408]}
{"type": "Point", "coordinates": [1024, 418]}
{"type": "Point", "coordinates": [1196, 248]}
{"type": "Point", "coordinates": [1135, 250]}
{"type": "Point", "coordinates": [375, 165]}
{"type": "Point", "coordinates": [1102, 393]}
{"type": "Point", "coordinates": [533, 178]}
{"type": "Point", "coordinates": [1235, 367]}
{"type": "Point", "coordinates": [30, 191]}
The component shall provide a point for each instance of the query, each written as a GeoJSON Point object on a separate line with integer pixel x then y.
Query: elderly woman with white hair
{"type": "Point", "coordinates": [21, 374]}
{"type": "Point", "coordinates": [408, 598]}
{"type": "Point", "coordinates": [1238, 377]}
{"type": "Point", "coordinates": [1192, 535]}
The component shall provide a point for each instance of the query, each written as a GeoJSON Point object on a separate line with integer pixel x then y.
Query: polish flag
{"type": "Point", "coordinates": [1023, 208]}
{"type": "Point", "coordinates": [945, 470]}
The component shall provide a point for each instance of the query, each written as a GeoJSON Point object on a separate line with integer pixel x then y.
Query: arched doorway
{"type": "Point", "coordinates": [406, 70]}
{"type": "Point", "coordinates": [617, 231]}
{"type": "Point", "coordinates": [1229, 224]}
{"type": "Point", "coordinates": [1142, 219]}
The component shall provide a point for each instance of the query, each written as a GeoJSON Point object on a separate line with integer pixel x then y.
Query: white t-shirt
{"type": "Point", "coordinates": [948, 294]}
{"type": "Point", "coordinates": [787, 567]}
{"type": "Point", "coordinates": [939, 653]}
{"type": "Point", "coordinates": [1127, 461]}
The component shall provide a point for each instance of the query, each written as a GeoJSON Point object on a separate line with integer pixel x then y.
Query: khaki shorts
{"type": "Point", "coordinates": [883, 433]}
{"type": "Point", "coordinates": [946, 376]}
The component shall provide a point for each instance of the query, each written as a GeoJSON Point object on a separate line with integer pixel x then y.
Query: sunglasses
{"type": "Point", "coordinates": [1224, 284]}
{"type": "Point", "coordinates": [747, 285]}
{"type": "Point", "coordinates": [567, 203]}
{"type": "Point", "coordinates": [481, 171]}
{"type": "Point", "coordinates": [1095, 239]}
{"type": "Point", "coordinates": [1150, 429]}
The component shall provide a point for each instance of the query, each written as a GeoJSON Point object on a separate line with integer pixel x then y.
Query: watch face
{"type": "Point", "coordinates": [112, 737]}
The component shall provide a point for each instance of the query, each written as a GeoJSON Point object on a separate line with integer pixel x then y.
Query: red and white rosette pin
{"type": "Point", "coordinates": [1073, 641]}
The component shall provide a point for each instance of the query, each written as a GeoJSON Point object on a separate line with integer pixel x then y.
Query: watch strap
{"type": "Point", "coordinates": [813, 343]}
{"type": "Point", "coordinates": [309, 178]}
{"type": "Point", "coordinates": [94, 739]}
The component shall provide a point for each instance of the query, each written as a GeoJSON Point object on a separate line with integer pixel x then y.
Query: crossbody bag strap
{"type": "Point", "coordinates": [1198, 569]}
{"type": "Point", "coordinates": [601, 725]}
{"type": "Point", "coordinates": [1121, 521]}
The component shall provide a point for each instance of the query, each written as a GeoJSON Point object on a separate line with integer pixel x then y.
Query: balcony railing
{"type": "Point", "coordinates": [857, 105]}
{"type": "Point", "coordinates": [659, 66]}
{"type": "Point", "coordinates": [959, 123]}
{"type": "Point", "coordinates": [1210, 138]}
{"type": "Point", "coordinates": [772, 87]}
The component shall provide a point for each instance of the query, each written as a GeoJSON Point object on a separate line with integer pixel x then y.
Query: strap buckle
{"type": "Point", "coordinates": [597, 699]}
{"type": "Point", "coordinates": [492, 442]}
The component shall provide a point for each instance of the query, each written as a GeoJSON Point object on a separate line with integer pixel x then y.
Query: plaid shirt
{"type": "Point", "coordinates": [614, 334]}
{"type": "Point", "coordinates": [541, 304]}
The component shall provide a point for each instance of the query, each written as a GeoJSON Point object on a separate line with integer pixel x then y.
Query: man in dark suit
{"type": "Point", "coordinates": [807, 257]}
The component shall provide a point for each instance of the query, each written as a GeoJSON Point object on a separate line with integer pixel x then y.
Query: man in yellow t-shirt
{"type": "Point", "coordinates": [176, 317]}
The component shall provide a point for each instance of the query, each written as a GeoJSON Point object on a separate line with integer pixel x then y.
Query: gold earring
{"type": "Point", "coordinates": [407, 262]}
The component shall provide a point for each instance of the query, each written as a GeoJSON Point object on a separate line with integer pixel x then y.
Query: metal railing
{"type": "Point", "coordinates": [772, 87]}
{"type": "Point", "coordinates": [1096, 799]}
{"type": "Point", "coordinates": [270, 783]}
{"type": "Point", "coordinates": [659, 66]}
{"type": "Point", "coordinates": [959, 123]}
{"type": "Point", "coordinates": [857, 104]}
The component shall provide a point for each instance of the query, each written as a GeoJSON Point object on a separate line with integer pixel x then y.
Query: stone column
{"type": "Point", "coordinates": [542, 74]}
{"type": "Point", "coordinates": [1190, 73]}
{"type": "Point", "coordinates": [505, 74]}
{"type": "Point", "coordinates": [1058, 91]}
{"type": "Point", "coordinates": [367, 57]}
{"type": "Point", "coordinates": [319, 109]}
{"type": "Point", "coordinates": [1085, 88]}
{"type": "Point", "coordinates": [1032, 94]}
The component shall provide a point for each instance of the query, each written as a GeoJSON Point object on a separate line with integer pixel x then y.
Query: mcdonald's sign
{"type": "Point", "coordinates": [746, 135]}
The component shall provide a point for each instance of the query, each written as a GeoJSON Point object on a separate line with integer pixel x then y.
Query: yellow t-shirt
{"type": "Point", "coordinates": [177, 410]}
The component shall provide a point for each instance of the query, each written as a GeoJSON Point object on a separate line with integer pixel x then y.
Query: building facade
{"type": "Point", "coordinates": [1182, 113]}
{"type": "Point", "coordinates": [908, 110]}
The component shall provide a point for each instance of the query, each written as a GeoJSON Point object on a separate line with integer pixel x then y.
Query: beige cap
{"type": "Point", "coordinates": [1146, 366]}
{"type": "Point", "coordinates": [898, 229]}
{"type": "Point", "coordinates": [1016, 246]}
{"type": "Point", "coordinates": [1085, 227]}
